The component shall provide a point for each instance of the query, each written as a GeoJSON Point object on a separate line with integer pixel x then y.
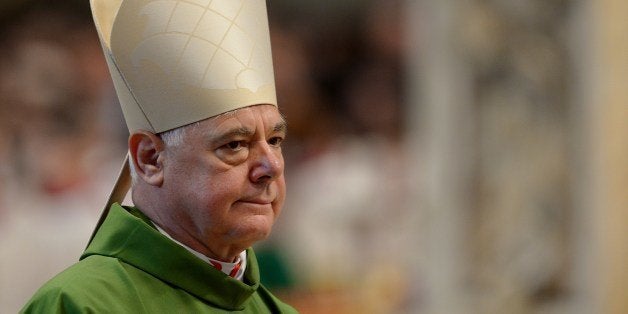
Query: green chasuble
{"type": "Point", "coordinates": [130, 267]}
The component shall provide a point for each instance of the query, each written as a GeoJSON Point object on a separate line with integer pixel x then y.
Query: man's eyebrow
{"type": "Point", "coordinates": [235, 132]}
{"type": "Point", "coordinates": [281, 126]}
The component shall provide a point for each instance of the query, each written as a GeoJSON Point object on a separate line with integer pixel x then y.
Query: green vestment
{"type": "Point", "coordinates": [130, 267]}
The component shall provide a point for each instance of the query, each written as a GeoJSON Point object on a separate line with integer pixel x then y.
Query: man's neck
{"type": "Point", "coordinates": [234, 268]}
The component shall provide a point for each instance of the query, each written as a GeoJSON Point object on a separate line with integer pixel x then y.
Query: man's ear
{"type": "Point", "coordinates": [147, 151]}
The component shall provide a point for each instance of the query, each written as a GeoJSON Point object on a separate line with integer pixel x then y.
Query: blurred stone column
{"type": "Point", "coordinates": [440, 117]}
{"type": "Point", "coordinates": [601, 37]}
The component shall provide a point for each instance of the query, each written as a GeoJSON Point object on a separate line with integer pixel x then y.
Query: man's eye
{"type": "Point", "coordinates": [235, 145]}
{"type": "Point", "coordinates": [275, 141]}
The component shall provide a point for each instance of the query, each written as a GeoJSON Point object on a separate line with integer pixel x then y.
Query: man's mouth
{"type": "Point", "coordinates": [257, 201]}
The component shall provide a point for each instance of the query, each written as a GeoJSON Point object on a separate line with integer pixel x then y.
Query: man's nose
{"type": "Point", "coordinates": [267, 163]}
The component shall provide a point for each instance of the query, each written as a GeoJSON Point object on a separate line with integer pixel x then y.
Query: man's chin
{"type": "Point", "coordinates": [251, 208]}
{"type": "Point", "coordinates": [254, 228]}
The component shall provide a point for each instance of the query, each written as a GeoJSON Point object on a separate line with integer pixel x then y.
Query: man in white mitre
{"type": "Point", "coordinates": [196, 85]}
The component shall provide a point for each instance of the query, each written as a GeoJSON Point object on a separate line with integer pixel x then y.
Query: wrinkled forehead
{"type": "Point", "coordinates": [250, 119]}
{"type": "Point", "coordinates": [241, 122]}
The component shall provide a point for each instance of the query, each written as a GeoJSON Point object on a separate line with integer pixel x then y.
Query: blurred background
{"type": "Point", "coordinates": [443, 156]}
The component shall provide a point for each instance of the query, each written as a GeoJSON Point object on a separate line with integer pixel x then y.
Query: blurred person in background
{"type": "Point", "coordinates": [54, 172]}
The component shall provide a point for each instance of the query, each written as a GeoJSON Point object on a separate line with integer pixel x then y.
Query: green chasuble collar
{"type": "Point", "coordinates": [129, 236]}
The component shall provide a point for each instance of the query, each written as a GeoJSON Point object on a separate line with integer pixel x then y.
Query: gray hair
{"type": "Point", "coordinates": [174, 138]}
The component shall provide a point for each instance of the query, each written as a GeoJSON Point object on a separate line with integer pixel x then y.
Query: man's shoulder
{"type": "Point", "coordinates": [91, 271]}
{"type": "Point", "coordinates": [96, 282]}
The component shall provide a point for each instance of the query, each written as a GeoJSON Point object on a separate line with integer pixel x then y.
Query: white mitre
{"type": "Point", "coordinates": [175, 62]}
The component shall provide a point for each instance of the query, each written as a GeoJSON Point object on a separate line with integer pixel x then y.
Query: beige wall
{"type": "Point", "coordinates": [548, 194]}
{"type": "Point", "coordinates": [608, 151]}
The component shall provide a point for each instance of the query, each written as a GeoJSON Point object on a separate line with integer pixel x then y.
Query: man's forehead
{"type": "Point", "coordinates": [246, 118]}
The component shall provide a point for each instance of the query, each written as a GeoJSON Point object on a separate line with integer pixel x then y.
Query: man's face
{"type": "Point", "coordinates": [225, 183]}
